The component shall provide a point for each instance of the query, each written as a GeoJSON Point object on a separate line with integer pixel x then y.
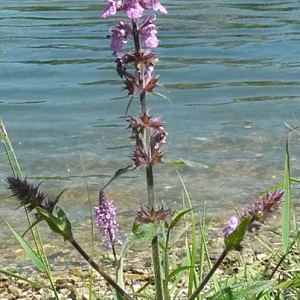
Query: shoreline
{"type": "Point", "coordinates": [71, 277]}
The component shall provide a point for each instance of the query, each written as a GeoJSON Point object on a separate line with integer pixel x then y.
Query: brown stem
{"type": "Point", "coordinates": [143, 102]}
{"type": "Point", "coordinates": [135, 34]}
{"type": "Point", "coordinates": [150, 187]}
{"type": "Point", "coordinates": [119, 290]}
{"type": "Point", "coordinates": [209, 275]}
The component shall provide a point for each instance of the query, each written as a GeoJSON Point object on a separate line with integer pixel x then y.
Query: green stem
{"type": "Point", "coordinates": [143, 102]}
{"type": "Point", "coordinates": [41, 252]}
{"type": "Point", "coordinates": [15, 167]}
{"type": "Point", "coordinates": [155, 243]}
{"type": "Point", "coordinates": [149, 172]}
{"type": "Point", "coordinates": [157, 269]}
{"type": "Point", "coordinates": [167, 265]}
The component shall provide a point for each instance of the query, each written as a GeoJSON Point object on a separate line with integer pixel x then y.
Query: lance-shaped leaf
{"type": "Point", "coordinates": [119, 173]}
{"type": "Point", "coordinates": [178, 217]}
{"type": "Point", "coordinates": [37, 260]}
{"type": "Point", "coordinates": [243, 290]}
{"type": "Point", "coordinates": [59, 224]}
{"type": "Point", "coordinates": [234, 240]}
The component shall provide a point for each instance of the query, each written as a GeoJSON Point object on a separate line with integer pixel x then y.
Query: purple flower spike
{"type": "Point", "coordinates": [149, 31]}
{"type": "Point", "coordinates": [106, 219]}
{"type": "Point", "coordinates": [233, 223]}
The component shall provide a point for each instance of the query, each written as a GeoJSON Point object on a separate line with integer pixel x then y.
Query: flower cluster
{"type": "Point", "coordinates": [142, 81]}
{"type": "Point", "coordinates": [124, 31]}
{"type": "Point", "coordinates": [106, 218]}
{"type": "Point", "coordinates": [262, 209]}
{"type": "Point", "coordinates": [144, 63]}
{"type": "Point", "coordinates": [149, 136]}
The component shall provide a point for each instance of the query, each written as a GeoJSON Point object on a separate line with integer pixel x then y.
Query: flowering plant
{"type": "Point", "coordinates": [149, 136]}
{"type": "Point", "coordinates": [148, 133]}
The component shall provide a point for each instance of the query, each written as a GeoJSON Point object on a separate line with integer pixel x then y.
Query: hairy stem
{"type": "Point", "coordinates": [119, 290]}
{"type": "Point", "coordinates": [157, 269]}
{"type": "Point", "coordinates": [149, 172]}
{"type": "Point", "coordinates": [150, 187]}
{"type": "Point", "coordinates": [155, 243]}
{"type": "Point", "coordinates": [209, 275]}
{"type": "Point", "coordinates": [135, 34]}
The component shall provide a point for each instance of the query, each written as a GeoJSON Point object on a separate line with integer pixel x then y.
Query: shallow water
{"type": "Point", "coordinates": [230, 70]}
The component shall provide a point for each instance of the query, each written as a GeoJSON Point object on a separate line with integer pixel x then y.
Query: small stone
{"type": "Point", "coordinates": [64, 291]}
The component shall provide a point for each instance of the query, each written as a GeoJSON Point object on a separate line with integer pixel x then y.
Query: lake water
{"type": "Point", "coordinates": [231, 71]}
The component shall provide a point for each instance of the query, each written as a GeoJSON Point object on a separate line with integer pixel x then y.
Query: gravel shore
{"type": "Point", "coordinates": [73, 282]}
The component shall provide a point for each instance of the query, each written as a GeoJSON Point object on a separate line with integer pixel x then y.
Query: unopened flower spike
{"type": "Point", "coordinates": [106, 218]}
{"type": "Point", "coordinates": [31, 197]}
{"type": "Point", "coordinates": [29, 194]}
{"type": "Point", "coordinates": [262, 209]}
{"type": "Point", "coordinates": [147, 154]}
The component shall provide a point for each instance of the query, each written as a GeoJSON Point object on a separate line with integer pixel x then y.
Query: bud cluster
{"type": "Point", "coordinates": [149, 136]}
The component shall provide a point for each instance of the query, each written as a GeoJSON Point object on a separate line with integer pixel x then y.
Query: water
{"type": "Point", "coordinates": [230, 69]}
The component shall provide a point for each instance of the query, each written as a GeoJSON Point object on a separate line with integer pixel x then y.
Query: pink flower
{"type": "Point", "coordinates": [112, 8]}
{"type": "Point", "coordinates": [133, 9]}
{"type": "Point", "coordinates": [155, 5]}
{"type": "Point", "coordinates": [233, 223]}
{"type": "Point", "coordinates": [120, 35]}
{"type": "Point", "coordinates": [148, 32]}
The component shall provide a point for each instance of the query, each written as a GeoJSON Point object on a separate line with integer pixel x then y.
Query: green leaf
{"type": "Point", "coordinates": [143, 234]}
{"type": "Point", "coordinates": [177, 162]}
{"type": "Point", "coordinates": [161, 96]}
{"type": "Point", "coordinates": [128, 105]}
{"type": "Point", "coordinates": [38, 262]}
{"type": "Point", "coordinates": [60, 225]}
{"type": "Point", "coordinates": [287, 203]}
{"type": "Point", "coordinates": [288, 284]}
{"type": "Point", "coordinates": [233, 240]}
{"type": "Point", "coordinates": [119, 173]}
{"type": "Point", "coordinates": [177, 218]}
{"type": "Point", "coordinates": [242, 291]}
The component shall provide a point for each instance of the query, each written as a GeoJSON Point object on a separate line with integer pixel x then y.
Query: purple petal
{"type": "Point", "coordinates": [110, 10]}
{"type": "Point", "coordinates": [155, 5]}
{"type": "Point", "coordinates": [134, 9]}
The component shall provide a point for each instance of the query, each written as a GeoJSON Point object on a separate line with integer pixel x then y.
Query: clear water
{"type": "Point", "coordinates": [230, 69]}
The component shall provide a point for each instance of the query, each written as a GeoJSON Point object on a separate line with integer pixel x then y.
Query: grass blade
{"type": "Point", "coordinates": [11, 274]}
{"type": "Point", "coordinates": [286, 208]}
{"type": "Point", "coordinates": [38, 262]}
